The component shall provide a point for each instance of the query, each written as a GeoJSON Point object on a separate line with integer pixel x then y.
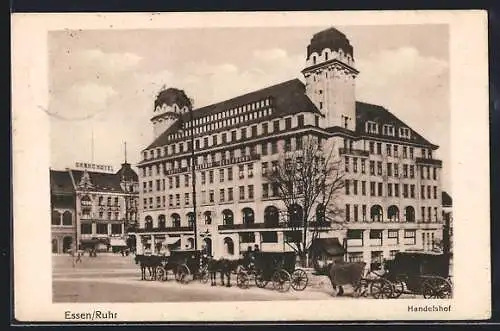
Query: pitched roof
{"type": "Point", "coordinates": [100, 180]}
{"type": "Point", "coordinates": [370, 112]}
{"type": "Point", "coordinates": [287, 98]}
{"type": "Point", "coordinates": [446, 199]}
{"type": "Point", "coordinates": [60, 182]}
{"type": "Point", "coordinates": [127, 173]}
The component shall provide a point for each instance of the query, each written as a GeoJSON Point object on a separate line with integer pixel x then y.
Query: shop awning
{"type": "Point", "coordinates": [172, 240]}
{"type": "Point", "coordinates": [117, 242]}
{"type": "Point", "coordinates": [328, 246]}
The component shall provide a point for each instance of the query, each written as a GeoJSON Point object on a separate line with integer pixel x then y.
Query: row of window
{"type": "Point", "coordinates": [266, 148]}
{"type": "Point", "coordinates": [393, 189]}
{"type": "Point", "coordinates": [65, 218]}
{"type": "Point", "coordinates": [392, 169]}
{"type": "Point", "coordinates": [393, 150]}
{"type": "Point", "coordinates": [226, 137]}
{"type": "Point", "coordinates": [101, 228]}
{"type": "Point", "coordinates": [387, 130]}
{"type": "Point", "coordinates": [376, 214]}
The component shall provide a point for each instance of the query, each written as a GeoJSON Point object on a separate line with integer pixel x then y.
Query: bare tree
{"type": "Point", "coordinates": [308, 180]}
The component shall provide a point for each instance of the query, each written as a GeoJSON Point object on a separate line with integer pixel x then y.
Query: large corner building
{"type": "Point", "coordinates": [392, 194]}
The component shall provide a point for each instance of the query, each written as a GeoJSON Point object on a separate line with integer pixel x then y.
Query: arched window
{"type": "Point", "coordinates": [320, 211]}
{"type": "Point", "coordinates": [190, 218]}
{"type": "Point", "coordinates": [67, 218]}
{"type": "Point", "coordinates": [227, 217]}
{"type": "Point", "coordinates": [248, 216]}
{"type": "Point", "coordinates": [295, 215]}
{"type": "Point", "coordinates": [410, 214]}
{"type": "Point", "coordinates": [376, 213]}
{"type": "Point", "coordinates": [207, 245]}
{"type": "Point", "coordinates": [148, 224]}
{"type": "Point", "coordinates": [229, 246]}
{"type": "Point", "coordinates": [162, 224]}
{"type": "Point", "coordinates": [176, 220]}
{"type": "Point", "coordinates": [271, 217]}
{"type": "Point", "coordinates": [56, 218]}
{"type": "Point", "coordinates": [393, 213]}
{"type": "Point", "coordinates": [208, 217]}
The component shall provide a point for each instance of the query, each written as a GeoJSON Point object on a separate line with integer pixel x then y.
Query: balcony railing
{"type": "Point", "coordinates": [352, 151]}
{"type": "Point", "coordinates": [166, 229]}
{"type": "Point", "coordinates": [251, 226]}
{"type": "Point", "coordinates": [423, 160]}
{"type": "Point", "coordinates": [213, 164]}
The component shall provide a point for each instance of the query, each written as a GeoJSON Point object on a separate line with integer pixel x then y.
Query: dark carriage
{"type": "Point", "coordinates": [183, 264]}
{"type": "Point", "coordinates": [276, 267]}
{"type": "Point", "coordinates": [150, 263]}
{"type": "Point", "coordinates": [424, 274]}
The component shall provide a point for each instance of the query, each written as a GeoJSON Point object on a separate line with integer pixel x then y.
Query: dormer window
{"type": "Point", "coordinates": [404, 133]}
{"type": "Point", "coordinates": [388, 130]}
{"type": "Point", "coordinates": [314, 59]}
{"type": "Point", "coordinates": [371, 127]}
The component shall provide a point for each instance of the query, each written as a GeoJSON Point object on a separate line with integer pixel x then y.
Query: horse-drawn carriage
{"type": "Point", "coordinates": [181, 263]}
{"type": "Point", "coordinates": [275, 267]}
{"type": "Point", "coordinates": [424, 274]}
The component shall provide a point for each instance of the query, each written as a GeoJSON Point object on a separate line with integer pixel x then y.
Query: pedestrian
{"type": "Point", "coordinates": [79, 257]}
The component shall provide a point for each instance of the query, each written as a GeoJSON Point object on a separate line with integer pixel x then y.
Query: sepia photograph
{"type": "Point", "coordinates": [255, 165]}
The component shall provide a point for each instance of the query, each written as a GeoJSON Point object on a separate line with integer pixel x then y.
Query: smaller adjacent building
{"type": "Point", "coordinates": [94, 209]}
{"type": "Point", "coordinates": [447, 203]}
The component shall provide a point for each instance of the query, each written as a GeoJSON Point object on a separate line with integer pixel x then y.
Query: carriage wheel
{"type": "Point", "coordinates": [360, 288]}
{"type": "Point", "coordinates": [381, 289]}
{"type": "Point", "coordinates": [281, 281]}
{"type": "Point", "coordinates": [182, 274]}
{"type": "Point", "coordinates": [161, 274]}
{"type": "Point", "coordinates": [436, 288]}
{"type": "Point", "coordinates": [299, 280]}
{"type": "Point", "coordinates": [260, 281]}
{"type": "Point", "coordinates": [398, 288]}
{"type": "Point", "coordinates": [204, 276]}
{"type": "Point", "coordinates": [242, 280]}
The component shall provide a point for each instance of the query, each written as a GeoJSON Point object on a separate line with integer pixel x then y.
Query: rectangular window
{"type": "Point", "coordinates": [405, 170]}
{"type": "Point", "coordinates": [380, 189]}
{"type": "Point", "coordinates": [389, 169]}
{"type": "Point", "coordinates": [356, 218]}
{"type": "Point", "coordinates": [412, 171]}
{"type": "Point", "coordinates": [211, 176]}
{"type": "Point", "coordinates": [274, 147]}
{"type": "Point", "coordinates": [372, 188]}
{"type": "Point", "coordinates": [230, 194]}
{"type": "Point", "coordinates": [186, 199]}
{"type": "Point", "coordinates": [405, 190]}
{"type": "Point", "coordinates": [379, 148]}
{"type": "Point", "coordinates": [86, 228]}
{"type": "Point", "coordinates": [300, 121]}
{"type": "Point", "coordinates": [388, 149]}
{"type": "Point", "coordinates": [158, 202]}
{"type": "Point", "coordinates": [102, 228]}
{"type": "Point", "coordinates": [186, 180]}
{"type": "Point", "coordinates": [346, 164]}
{"type": "Point", "coordinates": [396, 170]}
{"type": "Point", "coordinates": [241, 171]}
{"type": "Point", "coordinates": [422, 192]}
{"type": "Point", "coordinates": [405, 152]}
{"type": "Point", "coordinates": [347, 213]}
{"type": "Point", "coordinates": [221, 195]}
{"type": "Point", "coordinates": [372, 167]}
{"type": "Point", "coordinates": [211, 196]}
{"type": "Point", "coordinates": [288, 123]}
{"type": "Point", "coordinates": [435, 192]}
{"type": "Point", "coordinates": [393, 234]}
{"type": "Point", "coordinates": [372, 147]}
{"type": "Point", "coordinates": [265, 128]}
{"type": "Point", "coordinates": [250, 170]}
{"type": "Point", "coordinates": [298, 142]}
{"type": "Point", "coordinates": [229, 174]}
{"type": "Point", "coordinates": [389, 190]}
{"type": "Point", "coordinates": [242, 192]}
{"type": "Point", "coordinates": [203, 178]}
{"type": "Point", "coordinates": [379, 168]}
{"type": "Point", "coordinates": [363, 188]}
{"type": "Point", "coordinates": [224, 137]}
{"type": "Point", "coordinates": [429, 192]}
{"type": "Point", "coordinates": [355, 164]}
{"type": "Point", "coordinates": [177, 181]}
{"type": "Point", "coordinates": [269, 237]}
{"type": "Point", "coordinates": [396, 151]}
{"type": "Point", "coordinates": [265, 190]}
{"type": "Point", "coordinates": [276, 126]}
{"type": "Point", "coordinates": [412, 191]}
{"type": "Point", "coordinates": [254, 130]}
{"type": "Point", "coordinates": [362, 166]}
{"type": "Point", "coordinates": [177, 199]}
{"type": "Point", "coordinates": [346, 186]}
{"type": "Point", "coordinates": [396, 190]}
{"type": "Point", "coordinates": [221, 175]}
{"type": "Point", "coordinates": [355, 187]}
{"type": "Point", "coordinates": [250, 191]}
{"type": "Point", "coordinates": [411, 152]}
{"type": "Point", "coordinates": [264, 148]}
{"type": "Point", "coordinates": [422, 210]}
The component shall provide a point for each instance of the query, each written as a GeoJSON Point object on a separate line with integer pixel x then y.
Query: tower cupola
{"type": "Point", "coordinates": [168, 106]}
{"type": "Point", "coordinates": [330, 78]}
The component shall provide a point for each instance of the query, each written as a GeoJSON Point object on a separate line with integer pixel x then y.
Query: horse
{"type": "Point", "coordinates": [148, 262]}
{"type": "Point", "coordinates": [345, 273]}
{"type": "Point", "coordinates": [225, 267]}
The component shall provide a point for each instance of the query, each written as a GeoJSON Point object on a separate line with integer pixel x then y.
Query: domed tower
{"type": "Point", "coordinates": [168, 106]}
{"type": "Point", "coordinates": [330, 78]}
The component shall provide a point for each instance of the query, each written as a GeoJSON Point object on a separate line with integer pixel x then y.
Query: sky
{"type": "Point", "coordinates": [103, 82]}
